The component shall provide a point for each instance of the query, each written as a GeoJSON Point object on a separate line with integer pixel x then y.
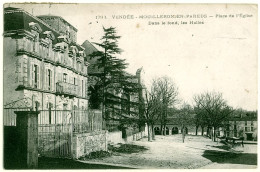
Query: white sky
{"type": "Point", "coordinates": [220, 55]}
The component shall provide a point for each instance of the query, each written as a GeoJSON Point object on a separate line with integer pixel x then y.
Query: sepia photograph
{"type": "Point", "coordinates": [130, 86]}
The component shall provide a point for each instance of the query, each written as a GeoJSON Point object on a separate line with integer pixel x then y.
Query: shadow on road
{"type": "Point", "coordinates": [230, 157]}
{"type": "Point", "coordinates": [224, 147]}
{"type": "Point", "coordinates": [56, 163]}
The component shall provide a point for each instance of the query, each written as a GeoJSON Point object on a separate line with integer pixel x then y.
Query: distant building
{"type": "Point", "coordinates": [242, 125]}
{"type": "Point", "coordinates": [174, 127]}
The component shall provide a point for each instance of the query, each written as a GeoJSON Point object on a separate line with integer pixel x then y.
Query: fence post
{"type": "Point", "coordinates": [27, 139]}
{"type": "Point", "coordinates": [71, 134]}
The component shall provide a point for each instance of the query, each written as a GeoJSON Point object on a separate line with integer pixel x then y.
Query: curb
{"type": "Point", "coordinates": [110, 164]}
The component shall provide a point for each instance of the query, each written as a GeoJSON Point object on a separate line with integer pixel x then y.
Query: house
{"type": "Point", "coordinates": [243, 124]}
{"type": "Point", "coordinates": [43, 62]}
{"type": "Point", "coordinates": [45, 70]}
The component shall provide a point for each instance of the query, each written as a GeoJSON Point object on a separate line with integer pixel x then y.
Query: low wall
{"type": "Point", "coordinates": [85, 143]}
{"type": "Point", "coordinates": [136, 136]}
{"type": "Point", "coordinates": [115, 137]}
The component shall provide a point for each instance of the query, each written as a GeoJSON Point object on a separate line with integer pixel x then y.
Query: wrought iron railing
{"type": "Point", "coordinates": [66, 89]}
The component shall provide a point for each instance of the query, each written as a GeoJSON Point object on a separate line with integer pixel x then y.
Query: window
{"type": "Point", "coordinates": [252, 123]}
{"type": "Point", "coordinates": [64, 77]}
{"type": "Point", "coordinates": [245, 123]}
{"type": "Point", "coordinates": [74, 81]}
{"type": "Point", "coordinates": [49, 79]}
{"type": "Point", "coordinates": [49, 105]}
{"type": "Point", "coordinates": [36, 76]}
{"type": "Point", "coordinates": [82, 84]}
{"type": "Point", "coordinates": [246, 129]}
{"type": "Point", "coordinates": [252, 128]}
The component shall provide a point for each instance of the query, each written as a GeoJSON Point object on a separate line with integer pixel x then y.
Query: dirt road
{"type": "Point", "coordinates": [170, 152]}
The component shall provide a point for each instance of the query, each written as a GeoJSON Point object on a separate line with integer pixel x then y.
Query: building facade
{"type": "Point", "coordinates": [43, 63]}
{"type": "Point", "coordinates": [243, 125]}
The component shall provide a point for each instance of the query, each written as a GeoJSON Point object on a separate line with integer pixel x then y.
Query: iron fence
{"type": "Point", "coordinates": [80, 121]}
{"type": "Point", "coordinates": [57, 127]}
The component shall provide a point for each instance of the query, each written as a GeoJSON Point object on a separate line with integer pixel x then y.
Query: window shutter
{"type": "Point", "coordinates": [32, 75]}
{"type": "Point", "coordinates": [86, 88]}
{"type": "Point", "coordinates": [25, 71]}
{"type": "Point", "coordinates": [51, 80]}
{"type": "Point", "coordinates": [60, 76]}
{"type": "Point", "coordinates": [46, 83]}
{"type": "Point", "coordinates": [38, 77]}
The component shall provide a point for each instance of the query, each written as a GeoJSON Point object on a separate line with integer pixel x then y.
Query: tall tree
{"type": "Point", "coordinates": [213, 108]}
{"type": "Point", "coordinates": [185, 118]}
{"type": "Point", "coordinates": [112, 81]}
{"type": "Point", "coordinates": [168, 93]}
{"type": "Point", "coordinates": [152, 108]}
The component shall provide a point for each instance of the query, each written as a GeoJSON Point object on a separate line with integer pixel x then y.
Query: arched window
{"type": "Point", "coordinates": [175, 130]}
{"type": "Point", "coordinates": [157, 131]}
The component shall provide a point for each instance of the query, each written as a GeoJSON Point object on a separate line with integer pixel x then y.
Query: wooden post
{"type": "Point", "coordinates": [27, 139]}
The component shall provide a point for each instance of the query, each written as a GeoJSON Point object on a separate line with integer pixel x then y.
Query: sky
{"type": "Point", "coordinates": [219, 55]}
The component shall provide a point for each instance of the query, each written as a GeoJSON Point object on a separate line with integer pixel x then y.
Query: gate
{"type": "Point", "coordinates": [55, 127]}
{"type": "Point", "coordinates": [55, 133]}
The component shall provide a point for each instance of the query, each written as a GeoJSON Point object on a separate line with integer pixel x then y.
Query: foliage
{"type": "Point", "coordinates": [184, 118]}
{"type": "Point", "coordinates": [167, 92]}
{"type": "Point", "coordinates": [96, 155]}
{"type": "Point", "coordinates": [112, 79]}
{"type": "Point", "coordinates": [212, 108]}
{"type": "Point", "coordinates": [127, 148]}
{"type": "Point", "coordinates": [185, 115]}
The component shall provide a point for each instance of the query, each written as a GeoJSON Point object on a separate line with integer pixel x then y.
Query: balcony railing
{"type": "Point", "coordinates": [31, 48]}
{"type": "Point", "coordinates": [64, 88]}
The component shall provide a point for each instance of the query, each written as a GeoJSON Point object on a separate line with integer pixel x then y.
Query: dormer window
{"type": "Point", "coordinates": [63, 38]}
{"type": "Point", "coordinates": [35, 26]}
{"type": "Point", "coordinates": [49, 35]}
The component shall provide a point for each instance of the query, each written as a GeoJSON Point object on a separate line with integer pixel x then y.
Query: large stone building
{"type": "Point", "coordinates": [43, 62]}
{"type": "Point", "coordinates": [45, 70]}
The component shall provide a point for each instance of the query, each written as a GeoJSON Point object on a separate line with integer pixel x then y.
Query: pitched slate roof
{"type": "Point", "coordinates": [18, 19]}
{"type": "Point", "coordinates": [90, 48]}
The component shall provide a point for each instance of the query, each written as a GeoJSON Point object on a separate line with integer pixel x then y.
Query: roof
{"type": "Point", "coordinates": [18, 19]}
{"type": "Point", "coordinates": [244, 116]}
{"type": "Point", "coordinates": [59, 17]}
{"type": "Point", "coordinates": [89, 49]}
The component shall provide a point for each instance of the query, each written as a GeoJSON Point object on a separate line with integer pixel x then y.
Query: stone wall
{"type": "Point", "coordinates": [115, 137]}
{"type": "Point", "coordinates": [85, 143]}
{"type": "Point", "coordinates": [136, 136]}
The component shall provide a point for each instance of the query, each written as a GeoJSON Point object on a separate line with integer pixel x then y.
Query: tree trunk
{"type": "Point", "coordinates": [214, 134]}
{"type": "Point", "coordinates": [164, 129]}
{"type": "Point", "coordinates": [183, 134]}
{"type": "Point", "coordinates": [202, 130]}
{"type": "Point", "coordinates": [149, 132]}
{"type": "Point", "coordinates": [196, 132]}
{"type": "Point", "coordinates": [153, 134]}
{"type": "Point", "coordinates": [161, 129]}
{"type": "Point", "coordinates": [208, 132]}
